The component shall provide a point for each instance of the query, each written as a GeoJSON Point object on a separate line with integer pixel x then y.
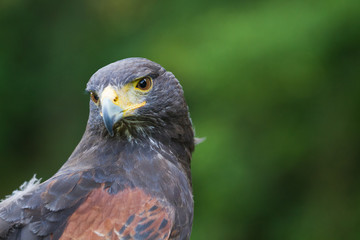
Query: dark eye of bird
{"type": "Point", "coordinates": [144, 84]}
{"type": "Point", "coordinates": [94, 97]}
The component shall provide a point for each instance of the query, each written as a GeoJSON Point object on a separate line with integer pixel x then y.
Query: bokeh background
{"type": "Point", "coordinates": [273, 85]}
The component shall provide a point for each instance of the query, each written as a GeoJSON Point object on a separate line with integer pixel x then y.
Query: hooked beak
{"type": "Point", "coordinates": [110, 109]}
{"type": "Point", "coordinates": [114, 108]}
{"type": "Point", "coordinates": [111, 114]}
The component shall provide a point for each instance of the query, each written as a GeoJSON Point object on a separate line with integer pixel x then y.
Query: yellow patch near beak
{"type": "Point", "coordinates": [126, 98]}
{"type": "Point", "coordinates": [110, 93]}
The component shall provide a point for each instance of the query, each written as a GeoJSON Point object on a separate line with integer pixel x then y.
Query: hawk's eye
{"type": "Point", "coordinates": [94, 97]}
{"type": "Point", "coordinates": [144, 83]}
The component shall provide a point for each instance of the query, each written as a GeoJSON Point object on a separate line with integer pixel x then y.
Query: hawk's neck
{"type": "Point", "coordinates": [99, 150]}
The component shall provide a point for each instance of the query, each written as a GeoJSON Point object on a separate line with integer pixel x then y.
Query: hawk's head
{"type": "Point", "coordinates": [135, 98]}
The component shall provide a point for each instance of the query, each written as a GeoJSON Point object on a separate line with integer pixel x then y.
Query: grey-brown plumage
{"type": "Point", "coordinates": [129, 177]}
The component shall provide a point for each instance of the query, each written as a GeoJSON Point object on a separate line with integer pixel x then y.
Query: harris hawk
{"type": "Point", "coordinates": [128, 178]}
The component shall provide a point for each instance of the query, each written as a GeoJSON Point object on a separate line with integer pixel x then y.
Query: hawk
{"type": "Point", "coordinates": [129, 177]}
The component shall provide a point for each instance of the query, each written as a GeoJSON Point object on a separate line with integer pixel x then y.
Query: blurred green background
{"type": "Point", "coordinates": [273, 85]}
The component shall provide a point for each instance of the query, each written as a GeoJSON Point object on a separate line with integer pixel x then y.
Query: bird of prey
{"type": "Point", "coordinates": [129, 177]}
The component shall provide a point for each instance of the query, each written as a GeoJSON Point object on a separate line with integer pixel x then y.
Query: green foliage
{"type": "Point", "coordinates": [273, 85]}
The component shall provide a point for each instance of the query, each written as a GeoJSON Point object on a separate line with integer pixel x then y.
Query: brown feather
{"type": "Point", "coordinates": [128, 213]}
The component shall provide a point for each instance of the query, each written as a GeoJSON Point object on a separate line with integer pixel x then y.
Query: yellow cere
{"type": "Point", "coordinates": [128, 98]}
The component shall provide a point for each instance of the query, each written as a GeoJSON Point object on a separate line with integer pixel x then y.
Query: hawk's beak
{"type": "Point", "coordinates": [110, 109]}
{"type": "Point", "coordinates": [111, 114]}
{"type": "Point", "coordinates": [116, 106]}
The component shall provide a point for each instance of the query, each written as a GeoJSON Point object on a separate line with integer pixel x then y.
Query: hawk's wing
{"type": "Point", "coordinates": [83, 205]}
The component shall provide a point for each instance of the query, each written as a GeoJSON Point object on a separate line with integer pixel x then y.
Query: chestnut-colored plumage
{"type": "Point", "coordinates": [128, 178]}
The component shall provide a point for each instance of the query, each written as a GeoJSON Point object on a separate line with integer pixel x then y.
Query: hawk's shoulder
{"type": "Point", "coordinates": [128, 214]}
{"type": "Point", "coordinates": [83, 205]}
